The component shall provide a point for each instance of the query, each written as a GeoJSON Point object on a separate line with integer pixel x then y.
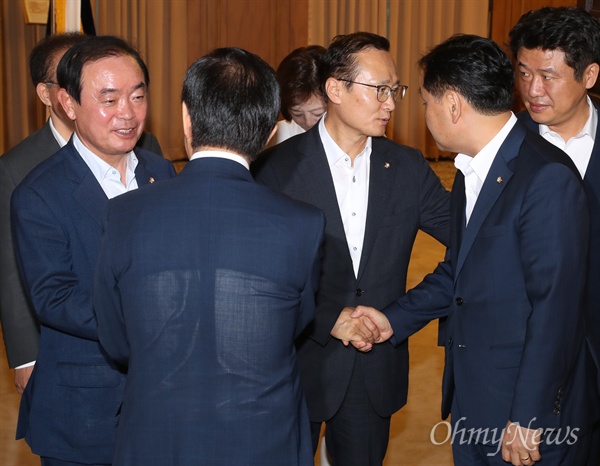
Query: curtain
{"type": "Point", "coordinates": [158, 28]}
{"type": "Point", "coordinates": [21, 112]}
{"type": "Point", "coordinates": [415, 27]}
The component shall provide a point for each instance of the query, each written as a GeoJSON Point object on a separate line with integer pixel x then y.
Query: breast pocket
{"type": "Point", "coordinates": [401, 215]}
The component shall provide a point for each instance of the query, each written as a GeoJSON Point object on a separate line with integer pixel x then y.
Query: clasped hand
{"type": "Point", "coordinates": [362, 327]}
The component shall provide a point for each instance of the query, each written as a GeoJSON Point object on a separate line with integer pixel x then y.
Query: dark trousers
{"type": "Point", "coordinates": [356, 435]}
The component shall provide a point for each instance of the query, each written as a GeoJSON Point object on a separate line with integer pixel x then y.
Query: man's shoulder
{"type": "Point", "coordinates": [28, 153]}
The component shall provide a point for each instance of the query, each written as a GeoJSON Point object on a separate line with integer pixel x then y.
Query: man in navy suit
{"type": "Point", "coordinates": [19, 324]}
{"type": "Point", "coordinates": [518, 371]}
{"type": "Point", "coordinates": [203, 284]}
{"type": "Point", "coordinates": [557, 53]}
{"type": "Point", "coordinates": [69, 409]}
{"type": "Point", "coordinates": [376, 195]}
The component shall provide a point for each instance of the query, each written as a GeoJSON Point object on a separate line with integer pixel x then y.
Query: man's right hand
{"type": "Point", "coordinates": [360, 330]}
{"type": "Point", "coordinates": [378, 319]}
{"type": "Point", "coordinates": [22, 377]}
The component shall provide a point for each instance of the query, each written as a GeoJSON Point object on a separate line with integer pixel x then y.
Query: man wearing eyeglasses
{"type": "Point", "coordinates": [376, 195]}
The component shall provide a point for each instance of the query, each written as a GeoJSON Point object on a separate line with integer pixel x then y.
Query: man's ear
{"type": "Point", "coordinates": [454, 104]}
{"type": "Point", "coordinates": [332, 89]}
{"type": "Point", "coordinates": [590, 75]}
{"type": "Point", "coordinates": [187, 129]}
{"type": "Point", "coordinates": [68, 103]}
{"type": "Point", "coordinates": [44, 94]}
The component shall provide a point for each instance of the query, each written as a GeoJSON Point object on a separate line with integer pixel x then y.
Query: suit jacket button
{"type": "Point", "coordinates": [459, 301]}
{"type": "Point", "coordinates": [359, 292]}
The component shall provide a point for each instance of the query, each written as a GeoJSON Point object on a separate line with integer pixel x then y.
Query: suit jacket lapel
{"type": "Point", "coordinates": [497, 178]}
{"type": "Point", "coordinates": [314, 170]}
{"type": "Point", "coordinates": [381, 181]}
{"type": "Point", "coordinates": [87, 192]}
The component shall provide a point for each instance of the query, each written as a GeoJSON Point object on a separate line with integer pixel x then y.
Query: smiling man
{"type": "Point", "coordinates": [376, 195]}
{"type": "Point", "coordinates": [69, 409]}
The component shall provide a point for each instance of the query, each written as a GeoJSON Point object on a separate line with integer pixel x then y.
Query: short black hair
{"type": "Point", "coordinates": [43, 54]}
{"type": "Point", "coordinates": [340, 58]}
{"type": "Point", "coordinates": [298, 75]}
{"type": "Point", "coordinates": [233, 100]}
{"type": "Point", "coordinates": [94, 48]}
{"type": "Point", "coordinates": [475, 67]}
{"type": "Point", "coordinates": [570, 29]}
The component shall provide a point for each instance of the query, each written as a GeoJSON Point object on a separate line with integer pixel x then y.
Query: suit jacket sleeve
{"type": "Point", "coordinates": [553, 234]}
{"type": "Point", "coordinates": [19, 325]}
{"type": "Point", "coordinates": [429, 300]}
{"type": "Point", "coordinates": [307, 309]}
{"type": "Point", "coordinates": [45, 256]}
{"type": "Point", "coordinates": [434, 204]}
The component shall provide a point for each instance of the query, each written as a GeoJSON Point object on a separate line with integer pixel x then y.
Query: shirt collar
{"type": "Point", "coordinates": [221, 155]}
{"type": "Point", "coordinates": [333, 152]}
{"type": "Point", "coordinates": [100, 168]}
{"type": "Point", "coordinates": [59, 139]}
{"type": "Point", "coordinates": [589, 129]}
{"type": "Point", "coordinates": [482, 161]}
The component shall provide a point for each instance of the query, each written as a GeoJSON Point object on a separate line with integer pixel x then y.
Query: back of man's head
{"type": "Point", "coordinates": [43, 55]}
{"type": "Point", "coordinates": [70, 67]}
{"type": "Point", "coordinates": [475, 67]}
{"type": "Point", "coordinates": [340, 61]}
{"type": "Point", "coordinates": [569, 29]}
{"type": "Point", "coordinates": [232, 97]}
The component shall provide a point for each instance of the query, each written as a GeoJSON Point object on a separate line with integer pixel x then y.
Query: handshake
{"type": "Point", "coordinates": [362, 327]}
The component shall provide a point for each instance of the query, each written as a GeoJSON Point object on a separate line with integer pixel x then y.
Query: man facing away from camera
{"type": "Point", "coordinates": [203, 284]}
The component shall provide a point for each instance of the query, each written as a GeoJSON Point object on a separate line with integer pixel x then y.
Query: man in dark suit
{"type": "Point", "coordinates": [204, 305]}
{"type": "Point", "coordinates": [376, 195]}
{"type": "Point", "coordinates": [19, 324]}
{"type": "Point", "coordinates": [557, 51]}
{"type": "Point", "coordinates": [517, 373]}
{"type": "Point", "coordinates": [69, 408]}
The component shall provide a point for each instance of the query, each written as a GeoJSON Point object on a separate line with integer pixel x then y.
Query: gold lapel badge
{"type": "Point", "coordinates": [150, 180]}
{"type": "Point", "coordinates": [499, 180]}
{"type": "Point", "coordinates": [386, 165]}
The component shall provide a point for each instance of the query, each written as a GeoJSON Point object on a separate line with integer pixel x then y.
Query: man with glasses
{"type": "Point", "coordinates": [376, 195]}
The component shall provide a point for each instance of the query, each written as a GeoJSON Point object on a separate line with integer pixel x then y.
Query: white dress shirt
{"type": "Point", "coordinates": [108, 176]}
{"type": "Point", "coordinates": [580, 146]}
{"type": "Point", "coordinates": [475, 169]}
{"type": "Point", "coordinates": [351, 183]}
{"type": "Point", "coordinates": [221, 155]}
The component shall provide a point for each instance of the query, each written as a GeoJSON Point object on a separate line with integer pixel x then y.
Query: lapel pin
{"type": "Point", "coordinates": [386, 165]}
{"type": "Point", "coordinates": [150, 180]}
{"type": "Point", "coordinates": [499, 180]}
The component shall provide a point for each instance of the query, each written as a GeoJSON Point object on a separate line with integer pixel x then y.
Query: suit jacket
{"type": "Point", "coordinates": [591, 182]}
{"type": "Point", "coordinates": [512, 286]}
{"type": "Point", "coordinates": [404, 196]}
{"type": "Point", "coordinates": [204, 306]}
{"type": "Point", "coordinates": [69, 408]}
{"type": "Point", "coordinates": [19, 325]}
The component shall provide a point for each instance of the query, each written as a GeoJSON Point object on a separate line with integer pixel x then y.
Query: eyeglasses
{"type": "Point", "coordinates": [384, 91]}
{"type": "Point", "coordinates": [50, 83]}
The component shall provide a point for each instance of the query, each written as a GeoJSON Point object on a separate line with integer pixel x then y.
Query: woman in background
{"type": "Point", "coordinates": [302, 102]}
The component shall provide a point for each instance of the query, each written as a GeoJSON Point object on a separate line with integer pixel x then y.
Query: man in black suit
{"type": "Point", "coordinates": [376, 195]}
{"type": "Point", "coordinates": [19, 325]}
